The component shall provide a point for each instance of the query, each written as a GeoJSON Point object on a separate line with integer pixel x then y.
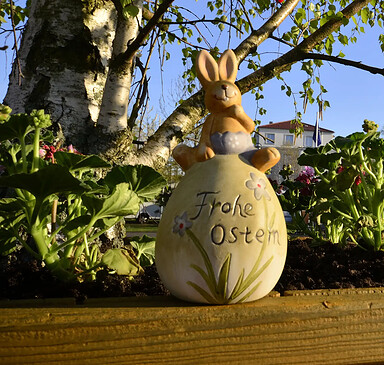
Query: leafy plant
{"type": "Point", "coordinates": [64, 206]}
{"type": "Point", "coordinates": [297, 198]}
{"type": "Point", "coordinates": [145, 249]}
{"type": "Point", "coordinates": [348, 199]}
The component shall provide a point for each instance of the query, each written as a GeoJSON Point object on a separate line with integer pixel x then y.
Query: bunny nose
{"type": "Point", "coordinates": [224, 87]}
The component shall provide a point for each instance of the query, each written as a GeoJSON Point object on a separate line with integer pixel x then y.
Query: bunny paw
{"type": "Point", "coordinates": [265, 158]}
{"type": "Point", "coordinates": [204, 152]}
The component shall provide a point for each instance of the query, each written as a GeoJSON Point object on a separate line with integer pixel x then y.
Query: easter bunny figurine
{"type": "Point", "coordinates": [227, 129]}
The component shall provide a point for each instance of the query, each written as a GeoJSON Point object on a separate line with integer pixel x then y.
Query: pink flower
{"type": "Point", "coordinates": [310, 171]}
{"type": "Point", "coordinates": [339, 169]}
{"type": "Point", "coordinates": [49, 152]}
{"type": "Point", "coordinates": [303, 179]}
{"type": "Point", "coordinates": [72, 149]}
{"type": "Point", "coordinates": [358, 180]}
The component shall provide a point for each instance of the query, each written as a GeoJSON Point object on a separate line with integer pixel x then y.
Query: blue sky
{"type": "Point", "coordinates": [354, 94]}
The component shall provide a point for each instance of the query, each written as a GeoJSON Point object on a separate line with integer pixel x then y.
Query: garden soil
{"type": "Point", "coordinates": [326, 266]}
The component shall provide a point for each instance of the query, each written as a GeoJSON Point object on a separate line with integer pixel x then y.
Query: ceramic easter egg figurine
{"type": "Point", "coordinates": [222, 237]}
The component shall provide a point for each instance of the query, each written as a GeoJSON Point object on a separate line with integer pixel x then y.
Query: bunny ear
{"type": "Point", "coordinates": [207, 69]}
{"type": "Point", "coordinates": [228, 66]}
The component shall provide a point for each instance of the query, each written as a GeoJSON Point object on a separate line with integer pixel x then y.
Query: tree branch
{"type": "Point", "coordinates": [250, 44]}
{"type": "Point", "coordinates": [141, 95]}
{"type": "Point", "coordinates": [331, 25]}
{"type": "Point", "coordinates": [298, 53]}
{"type": "Point", "coordinates": [342, 61]}
{"type": "Point", "coordinates": [15, 41]}
{"type": "Point", "coordinates": [144, 33]}
{"type": "Point", "coordinates": [194, 22]}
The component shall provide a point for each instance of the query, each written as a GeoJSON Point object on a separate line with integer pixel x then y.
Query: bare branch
{"type": "Point", "coordinates": [246, 15]}
{"type": "Point", "coordinates": [280, 40]}
{"type": "Point", "coordinates": [181, 40]}
{"type": "Point", "coordinates": [194, 22]}
{"type": "Point", "coordinates": [144, 33]}
{"type": "Point", "coordinates": [15, 41]}
{"type": "Point", "coordinates": [141, 95]}
{"type": "Point", "coordinates": [342, 61]}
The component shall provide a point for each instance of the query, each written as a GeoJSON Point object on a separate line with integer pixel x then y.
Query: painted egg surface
{"type": "Point", "coordinates": [222, 237]}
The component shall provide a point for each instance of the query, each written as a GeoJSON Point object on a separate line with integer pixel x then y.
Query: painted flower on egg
{"type": "Point", "coordinates": [181, 224]}
{"type": "Point", "coordinates": [258, 186]}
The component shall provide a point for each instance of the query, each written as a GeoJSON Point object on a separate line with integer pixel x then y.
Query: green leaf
{"type": "Point", "coordinates": [300, 16]}
{"type": "Point", "coordinates": [11, 217]}
{"type": "Point", "coordinates": [8, 242]}
{"type": "Point", "coordinates": [17, 126]}
{"type": "Point", "coordinates": [95, 188]}
{"type": "Point", "coordinates": [121, 202]}
{"type": "Point", "coordinates": [10, 205]}
{"type": "Point", "coordinates": [75, 162]}
{"type": "Point", "coordinates": [130, 11]}
{"type": "Point", "coordinates": [76, 223]}
{"type": "Point", "coordinates": [107, 222]}
{"type": "Point", "coordinates": [51, 179]}
{"type": "Point", "coordinates": [365, 14]}
{"type": "Point", "coordinates": [311, 6]}
{"type": "Point", "coordinates": [143, 180]}
{"type": "Point", "coordinates": [319, 160]}
{"type": "Point", "coordinates": [121, 261]}
{"type": "Point", "coordinates": [345, 179]}
{"type": "Point", "coordinates": [343, 39]}
{"type": "Point", "coordinates": [145, 249]}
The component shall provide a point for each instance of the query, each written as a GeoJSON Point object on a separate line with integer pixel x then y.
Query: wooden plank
{"type": "Point", "coordinates": [313, 329]}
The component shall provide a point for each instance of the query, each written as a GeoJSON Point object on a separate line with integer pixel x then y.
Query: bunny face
{"type": "Point", "coordinates": [218, 80]}
{"type": "Point", "coordinates": [220, 95]}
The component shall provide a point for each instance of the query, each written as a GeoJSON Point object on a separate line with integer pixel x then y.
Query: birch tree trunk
{"type": "Point", "coordinates": [65, 56]}
{"type": "Point", "coordinates": [113, 112]}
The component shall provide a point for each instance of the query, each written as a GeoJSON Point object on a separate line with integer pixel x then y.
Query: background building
{"type": "Point", "coordinates": [279, 135]}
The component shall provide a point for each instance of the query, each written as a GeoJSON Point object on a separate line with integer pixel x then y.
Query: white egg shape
{"type": "Point", "coordinates": [222, 238]}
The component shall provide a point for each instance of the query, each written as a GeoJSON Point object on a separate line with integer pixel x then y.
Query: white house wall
{"type": "Point", "coordinates": [279, 137]}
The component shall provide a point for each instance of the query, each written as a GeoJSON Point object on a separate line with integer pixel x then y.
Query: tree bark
{"type": "Point", "coordinates": [113, 111]}
{"type": "Point", "coordinates": [64, 56]}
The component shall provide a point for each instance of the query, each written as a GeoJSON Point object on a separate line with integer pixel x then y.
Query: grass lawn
{"type": "Point", "coordinates": [137, 227]}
